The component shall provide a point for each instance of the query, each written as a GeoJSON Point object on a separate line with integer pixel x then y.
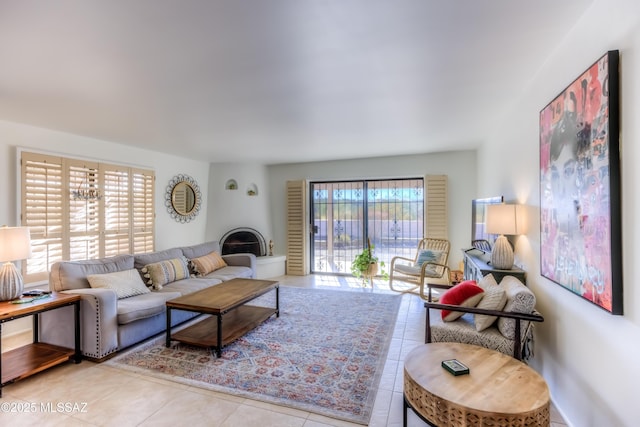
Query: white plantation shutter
{"type": "Point", "coordinates": [143, 210]}
{"type": "Point", "coordinates": [83, 222]}
{"type": "Point", "coordinates": [116, 200]}
{"type": "Point", "coordinates": [436, 210]}
{"type": "Point", "coordinates": [41, 207]}
{"type": "Point", "coordinates": [297, 263]}
{"type": "Point", "coordinates": [67, 228]}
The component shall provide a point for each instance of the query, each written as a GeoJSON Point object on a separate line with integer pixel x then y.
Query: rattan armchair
{"type": "Point", "coordinates": [407, 276]}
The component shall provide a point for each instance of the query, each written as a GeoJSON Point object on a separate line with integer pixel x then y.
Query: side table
{"type": "Point", "coordinates": [499, 390]}
{"type": "Point", "coordinates": [32, 358]}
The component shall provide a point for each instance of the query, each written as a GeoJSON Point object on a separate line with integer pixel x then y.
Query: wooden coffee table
{"type": "Point", "coordinates": [498, 391]}
{"type": "Point", "coordinates": [231, 317]}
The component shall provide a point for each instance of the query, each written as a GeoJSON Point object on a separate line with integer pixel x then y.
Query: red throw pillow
{"type": "Point", "coordinates": [466, 294]}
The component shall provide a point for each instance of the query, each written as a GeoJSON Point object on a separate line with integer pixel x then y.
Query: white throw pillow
{"type": "Point", "coordinates": [494, 298]}
{"type": "Point", "coordinates": [125, 283]}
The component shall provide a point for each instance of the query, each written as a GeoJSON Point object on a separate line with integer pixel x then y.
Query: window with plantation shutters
{"type": "Point", "coordinates": [78, 209]}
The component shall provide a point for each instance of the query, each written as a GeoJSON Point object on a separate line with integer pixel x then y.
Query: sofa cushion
{"type": "Point", "coordinates": [68, 275]}
{"type": "Point", "coordinates": [201, 249]}
{"type": "Point", "coordinates": [126, 283]}
{"type": "Point", "coordinates": [230, 272]}
{"type": "Point", "coordinates": [143, 306]}
{"type": "Point", "coordinates": [190, 285]}
{"type": "Point", "coordinates": [160, 273]}
{"type": "Point", "coordinates": [140, 260]}
{"type": "Point", "coordinates": [520, 299]}
{"type": "Point", "coordinates": [207, 263]}
{"type": "Point", "coordinates": [466, 294]}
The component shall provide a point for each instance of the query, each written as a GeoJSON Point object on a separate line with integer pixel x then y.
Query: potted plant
{"type": "Point", "coordinates": [366, 264]}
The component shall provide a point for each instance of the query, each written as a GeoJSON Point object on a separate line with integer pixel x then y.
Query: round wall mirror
{"type": "Point", "coordinates": [183, 198]}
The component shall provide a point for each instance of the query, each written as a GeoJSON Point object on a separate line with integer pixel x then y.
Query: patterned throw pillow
{"type": "Point", "coordinates": [494, 299]}
{"type": "Point", "coordinates": [520, 299]}
{"type": "Point", "coordinates": [160, 273]}
{"type": "Point", "coordinates": [207, 263]}
{"type": "Point", "coordinates": [125, 283]}
{"type": "Point", "coordinates": [428, 255]}
{"type": "Point", "coordinates": [466, 294]}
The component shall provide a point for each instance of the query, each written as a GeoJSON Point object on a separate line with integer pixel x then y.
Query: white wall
{"type": "Point", "coordinates": [459, 166]}
{"type": "Point", "coordinates": [587, 356]}
{"type": "Point", "coordinates": [231, 209]}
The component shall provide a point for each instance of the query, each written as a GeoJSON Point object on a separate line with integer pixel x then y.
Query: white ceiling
{"type": "Point", "coordinates": [275, 81]}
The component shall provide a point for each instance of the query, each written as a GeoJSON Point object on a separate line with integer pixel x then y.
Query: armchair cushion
{"type": "Point", "coordinates": [465, 294]}
{"type": "Point", "coordinates": [125, 283]}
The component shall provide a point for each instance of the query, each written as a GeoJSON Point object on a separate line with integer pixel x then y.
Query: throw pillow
{"type": "Point", "coordinates": [465, 294]}
{"type": "Point", "coordinates": [126, 283]}
{"type": "Point", "coordinates": [494, 299]}
{"type": "Point", "coordinates": [520, 299]}
{"type": "Point", "coordinates": [207, 263]}
{"type": "Point", "coordinates": [487, 282]}
{"type": "Point", "coordinates": [160, 273]}
{"type": "Point", "coordinates": [428, 255]}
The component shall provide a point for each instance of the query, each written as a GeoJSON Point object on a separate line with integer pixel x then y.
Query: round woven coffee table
{"type": "Point", "coordinates": [498, 391]}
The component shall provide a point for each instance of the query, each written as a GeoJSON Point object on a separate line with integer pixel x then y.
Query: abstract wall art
{"type": "Point", "coordinates": [580, 216]}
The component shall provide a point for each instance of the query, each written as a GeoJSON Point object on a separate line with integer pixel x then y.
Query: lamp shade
{"type": "Point", "coordinates": [505, 219]}
{"type": "Point", "coordinates": [15, 243]}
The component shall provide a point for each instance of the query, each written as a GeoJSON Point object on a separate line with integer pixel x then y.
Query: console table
{"type": "Point", "coordinates": [476, 266]}
{"type": "Point", "coordinates": [38, 356]}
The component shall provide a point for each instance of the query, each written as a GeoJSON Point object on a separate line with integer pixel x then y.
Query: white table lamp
{"type": "Point", "coordinates": [15, 245]}
{"type": "Point", "coordinates": [503, 220]}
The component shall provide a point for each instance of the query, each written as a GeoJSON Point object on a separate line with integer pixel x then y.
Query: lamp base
{"type": "Point", "coordinates": [502, 254]}
{"type": "Point", "coordinates": [11, 285]}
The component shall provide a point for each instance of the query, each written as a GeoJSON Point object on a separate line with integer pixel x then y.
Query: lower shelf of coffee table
{"type": "Point", "coordinates": [30, 359]}
{"type": "Point", "coordinates": [235, 324]}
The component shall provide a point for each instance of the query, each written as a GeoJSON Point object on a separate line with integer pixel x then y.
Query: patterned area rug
{"type": "Point", "coordinates": [324, 354]}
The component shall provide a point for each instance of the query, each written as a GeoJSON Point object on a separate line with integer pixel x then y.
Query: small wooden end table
{"type": "Point", "coordinates": [30, 359]}
{"type": "Point", "coordinates": [224, 301]}
{"type": "Point", "coordinates": [498, 391]}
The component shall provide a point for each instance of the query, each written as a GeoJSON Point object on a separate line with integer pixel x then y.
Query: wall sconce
{"type": "Point", "coordinates": [504, 220]}
{"type": "Point", "coordinates": [15, 245]}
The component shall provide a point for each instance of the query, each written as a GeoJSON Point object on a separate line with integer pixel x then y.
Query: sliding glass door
{"type": "Point", "coordinates": [344, 214]}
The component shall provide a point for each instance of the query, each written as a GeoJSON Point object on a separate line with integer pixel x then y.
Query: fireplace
{"type": "Point", "coordinates": [243, 240]}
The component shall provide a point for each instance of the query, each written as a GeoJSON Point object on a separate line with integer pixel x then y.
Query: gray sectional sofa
{"type": "Point", "coordinates": [109, 324]}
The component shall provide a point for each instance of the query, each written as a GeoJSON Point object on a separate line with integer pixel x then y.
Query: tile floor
{"type": "Point", "coordinates": [90, 394]}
